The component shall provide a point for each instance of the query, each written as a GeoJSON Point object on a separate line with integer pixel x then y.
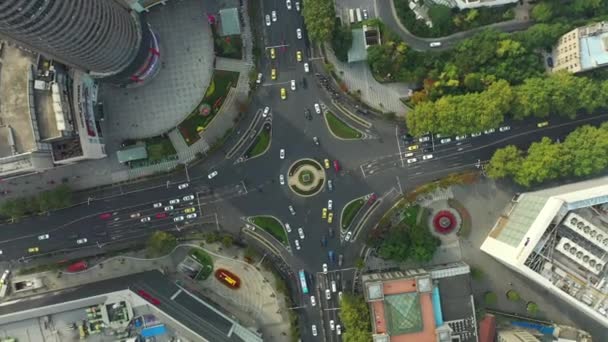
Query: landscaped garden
{"type": "Point", "coordinates": [272, 226]}
{"type": "Point", "coordinates": [306, 177]}
{"type": "Point", "coordinates": [229, 46]}
{"type": "Point", "coordinates": [340, 128]}
{"type": "Point", "coordinates": [262, 141]}
{"type": "Point", "coordinates": [205, 260]}
{"type": "Point", "coordinates": [209, 106]}
{"type": "Point", "coordinates": [159, 148]}
{"type": "Point", "coordinates": [350, 211]}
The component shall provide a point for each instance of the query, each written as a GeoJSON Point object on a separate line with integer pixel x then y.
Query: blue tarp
{"type": "Point", "coordinates": [437, 307]}
{"type": "Point", "coordinates": [153, 331]}
{"type": "Point", "coordinates": [544, 329]}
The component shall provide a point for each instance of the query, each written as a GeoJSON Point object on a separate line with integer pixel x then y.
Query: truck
{"type": "Point", "coordinates": [78, 266]}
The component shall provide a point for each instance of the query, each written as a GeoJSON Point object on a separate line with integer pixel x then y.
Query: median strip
{"type": "Point", "coordinates": [341, 129]}
{"type": "Point", "coordinates": [350, 210]}
{"type": "Point", "coordinates": [272, 226]}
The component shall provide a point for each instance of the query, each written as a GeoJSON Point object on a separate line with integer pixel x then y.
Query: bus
{"type": "Point", "coordinates": [351, 14]}
{"type": "Point", "coordinates": [359, 15]}
{"type": "Point", "coordinates": [303, 282]}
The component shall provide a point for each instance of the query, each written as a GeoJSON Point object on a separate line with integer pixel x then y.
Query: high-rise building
{"type": "Point", "coordinates": [102, 37]}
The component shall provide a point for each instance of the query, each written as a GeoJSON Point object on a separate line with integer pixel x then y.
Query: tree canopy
{"type": "Point", "coordinates": [60, 197]}
{"type": "Point", "coordinates": [354, 314]}
{"type": "Point", "coordinates": [161, 243]}
{"type": "Point", "coordinates": [319, 19]}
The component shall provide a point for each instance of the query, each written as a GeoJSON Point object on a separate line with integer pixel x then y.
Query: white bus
{"type": "Point", "coordinates": [351, 13]}
{"type": "Point", "coordinates": [359, 19]}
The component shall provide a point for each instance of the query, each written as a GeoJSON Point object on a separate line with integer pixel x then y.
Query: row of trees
{"type": "Point", "coordinates": [582, 153]}
{"type": "Point", "coordinates": [60, 197]}
{"type": "Point", "coordinates": [551, 10]}
{"type": "Point", "coordinates": [319, 17]}
{"type": "Point", "coordinates": [561, 93]}
{"type": "Point", "coordinates": [354, 314]}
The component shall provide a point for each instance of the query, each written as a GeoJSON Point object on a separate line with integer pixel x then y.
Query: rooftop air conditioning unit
{"type": "Point", "coordinates": [580, 225]}
{"type": "Point", "coordinates": [587, 229]}
{"type": "Point", "coordinates": [566, 246]}
{"type": "Point", "coordinates": [579, 254]}
{"type": "Point", "coordinates": [593, 233]}
{"type": "Point", "coordinates": [592, 262]}
{"type": "Point", "coordinates": [574, 220]}
{"type": "Point", "coordinates": [599, 267]}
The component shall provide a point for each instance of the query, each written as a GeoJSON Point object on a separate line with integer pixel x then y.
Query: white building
{"type": "Point", "coordinates": [466, 4]}
{"type": "Point", "coordinates": [558, 237]}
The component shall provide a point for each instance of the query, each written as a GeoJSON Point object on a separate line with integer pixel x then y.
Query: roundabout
{"type": "Point", "coordinates": [306, 177]}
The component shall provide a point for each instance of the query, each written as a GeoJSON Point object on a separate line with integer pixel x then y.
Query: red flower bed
{"type": "Point", "coordinates": [444, 222]}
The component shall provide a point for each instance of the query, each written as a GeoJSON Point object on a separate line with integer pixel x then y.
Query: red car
{"type": "Point", "coordinates": [372, 199]}
{"type": "Point", "coordinates": [145, 295]}
{"type": "Point", "coordinates": [336, 166]}
{"type": "Point", "coordinates": [160, 215]}
{"type": "Point", "coordinates": [105, 216]}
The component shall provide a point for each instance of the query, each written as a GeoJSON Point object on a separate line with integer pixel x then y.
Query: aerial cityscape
{"type": "Point", "coordinates": [304, 170]}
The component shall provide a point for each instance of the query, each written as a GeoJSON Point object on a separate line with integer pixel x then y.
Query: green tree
{"type": "Point", "coordinates": [545, 161]}
{"type": "Point", "coordinates": [396, 246]}
{"type": "Point", "coordinates": [227, 240]}
{"type": "Point", "coordinates": [379, 59]}
{"type": "Point", "coordinates": [354, 314]}
{"type": "Point", "coordinates": [341, 42]}
{"type": "Point", "coordinates": [14, 208]}
{"type": "Point", "coordinates": [61, 197]}
{"type": "Point", "coordinates": [161, 243]}
{"type": "Point", "coordinates": [513, 296]}
{"type": "Point", "coordinates": [532, 308]}
{"type": "Point", "coordinates": [319, 16]}
{"type": "Point", "coordinates": [424, 244]}
{"type": "Point", "coordinates": [505, 162]}
{"type": "Point", "coordinates": [542, 35]}
{"type": "Point", "coordinates": [490, 298]}
{"type": "Point", "coordinates": [359, 263]}
{"type": "Point", "coordinates": [542, 12]}
{"type": "Point", "coordinates": [441, 16]}
{"type": "Point", "coordinates": [587, 148]}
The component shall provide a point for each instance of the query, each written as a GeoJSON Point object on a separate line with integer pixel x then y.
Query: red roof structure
{"type": "Point", "coordinates": [487, 329]}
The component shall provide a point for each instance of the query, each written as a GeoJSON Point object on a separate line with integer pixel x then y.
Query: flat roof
{"type": "Point", "coordinates": [593, 50]}
{"type": "Point", "coordinates": [132, 153]}
{"type": "Point", "coordinates": [455, 293]}
{"type": "Point", "coordinates": [231, 24]}
{"type": "Point", "coordinates": [357, 51]}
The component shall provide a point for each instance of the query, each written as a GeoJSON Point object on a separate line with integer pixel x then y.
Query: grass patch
{"type": "Point", "coordinates": [272, 226]}
{"type": "Point", "coordinates": [306, 177]}
{"type": "Point", "coordinates": [350, 211]}
{"type": "Point", "coordinates": [204, 259]}
{"type": "Point", "coordinates": [341, 129]}
{"type": "Point", "coordinates": [410, 215]}
{"type": "Point", "coordinates": [159, 148]}
{"type": "Point", "coordinates": [261, 144]}
{"type": "Point", "coordinates": [229, 46]}
{"type": "Point", "coordinates": [221, 82]}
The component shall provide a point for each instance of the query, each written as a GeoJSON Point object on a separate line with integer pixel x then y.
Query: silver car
{"type": "Point", "coordinates": [81, 241]}
{"type": "Point", "coordinates": [43, 237]}
{"type": "Point", "coordinates": [301, 233]}
{"type": "Point", "coordinates": [191, 216]}
{"type": "Point", "coordinates": [178, 218]}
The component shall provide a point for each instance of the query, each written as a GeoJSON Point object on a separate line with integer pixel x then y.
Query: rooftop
{"type": "Point", "coordinates": [231, 24]}
{"type": "Point", "coordinates": [594, 46]}
{"type": "Point", "coordinates": [357, 51]}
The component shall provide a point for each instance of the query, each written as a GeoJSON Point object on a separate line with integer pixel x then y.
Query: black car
{"type": "Point", "coordinates": [307, 114]}
{"type": "Point", "coordinates": [550, 62]}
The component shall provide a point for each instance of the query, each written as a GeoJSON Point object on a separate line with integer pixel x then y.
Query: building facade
{"type": "Point", "coordinates": [582, 49]}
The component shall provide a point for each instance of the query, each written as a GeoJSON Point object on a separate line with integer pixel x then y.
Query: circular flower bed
{"type": "Point", "coordinates": [444, 222]}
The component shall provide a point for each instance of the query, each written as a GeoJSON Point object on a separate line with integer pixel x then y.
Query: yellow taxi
{"type": "Point", "coordinates": [542, 124]}
{"type": "Point", "coordinates": [413, 147]}
{"type": "Point", "coordinates": [273, 55]}
{"type": "Point", "coordinates": [324, 213]}
{"type": "Point", "coordinates": [283, 94]}
{"type": "Point", "coordinates": [326, 162]}
{"type": "Point", "coordinates": [299, 55]}
{"type": "Point", "coordinates": [189, 210]}
{"type": "Point", "coordinates": [273, 74]}
{"type": "Point", "coordinates": [33, 250]}
{"type": "Point", "coordinates": [330, 218]}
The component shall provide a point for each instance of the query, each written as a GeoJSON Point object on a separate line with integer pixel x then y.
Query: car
{"type": "Point", "coordinates": [160, 215]}
{"type": "Point", "coordinates": [326, 163]}
{"type": "Point", "coordinates": [504, 128]}
{"type": "Point", "coordinates": [183, 186]}
{"type": "Point", "coordinates": [105, 216]}
{"type": "Point", "coordinates": [288, 227]}
{"type": "Point", "coordinates": [188, 198]}
{"type": "Point", "coordinates": [266, 111]}
{"type": "Point", "coordinates": [307, 114]}
{"type": "Point", "coordinates": [212, 174]}
{"type": "Point", "coordinates": [135, 215]}
{"type": "Point", "coordinates": [174, 201]}
{"type": "Point", "coordinates": [408, 155]}
{"type": "Point", "coordinates": [301, 233]}
{"type": "Point", "coordinates": [282, 179]}
{"type": "Point", "coordinates": [297, 244]}
{"type": "Point", "coordinates": [460, 137]}
{"type": "Point", "coordinates": [412, 160]}
{"type": "Point", "coordinates": [330, 205]}
{"type": "Point", "coordinates": [33, 250]}
{"type": "Point", "coordinates": [348, 236]}
{"type": "Point", "coordinates": [282, 153]}
{"type": "Point", "coordinates": [299, 33]}
{"type": "Point", "coordinates": [145, 295]}
{"type": "Point", "coordinates": [313, 301]}
{"type": "Point", "coordinates": [283, 94]}
{"type": "Point", "coordinates": [330, 185]}
{"type": "Point", "coordinates": [273, 54]}
{"type": "Point", "coordinates": [324, 241]}
{"type": "Point", "coordinates": [306, 67]}
{"type": "Point", "coordinates": [334, 289]}
{"type": "Point", "coordinates": [317, 108]}
{"type": "Point", "coordinates": [157, 205]}
{"type": "Point", "coordinates": [340, 260]}
{"type": "Point", "coordinates": [314, 330]}
{"type": "Point", "coordinates": [324, 266]}
{"type": "Point", "coordinates": [372, 198]}
{"type": "Point", "coordinates": [427, 157]}
{"type": "Point", "coordinates": [328, 295]}
{"type": "Point", "coordinates": [338, 329]}
{"type": "Point", "coordinates": [446, 140]}
{"type": "Point", "coordinates": [273, 74]}
{"type": "Point", "coordinates": [267, 19]}
{"type": "Point", "coordinates": [365, 14]}
{"type": "Point", "coordinates": [43, 237]}
{"type": "Point", "coordinates": [435, 44]}
{"type": "Point", "coordinates": [189, 210]}
{"type": "Point", "coordinates": [412, 147]}
{"type": "Point", "coordinates": [178, 218]}
{"type": "Point", "coordinates": [424, 139]}
{"type": "Point", "coordinates": [475, 135]}
{"type": "Point", "coordinates": [438, 136]}
{"type": "Point", "coordinates": [81, 241]}
{"type": "Point", "coordinates": [339, 295]}
{"type": "Point", "coordinates": [330, 218]}
{"type": "Point", "coordinates": [316, 141]}
{"type": "Point", "coordinates": [550, 62]}
{"type": "Point", "coordinates": [274, 15]}
{"type": "Point", "coordinates": [332, 324]}
{"type": "Point", "coordinates": [288, 3]}
{"type": "Point", "coordinates": [542, 124]}
{"type": "Point", "coordinates": [145, 219]}
{"type": "Point", "coordinates": [292, 210]}
{"type": "Point", "coordinates": [191, 216]}
{"type": "Point", "coordinates": [299, 56]}
{"type": "Point", "coordinates": [336, 166]}
{"type": "Point", "coordinates": [298, 6]}
{"type": "Point", "coordinates": [293, 85]}
{"type": "Point", "coordinates": [324, 213]}
{"type": "Point", "coordinates": [169, 208]}
{"type": "Point", "coordinates": [489, 131]}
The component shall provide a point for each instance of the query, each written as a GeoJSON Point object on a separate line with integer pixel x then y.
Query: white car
{"type": "Point", "coordinates": [174, 201]}
{"type": "Point", "coordinates": [408, 155]}
{"type": "Point", "coordinates": [288, 227]}
{"type": "Point", "coordinates": [191, 216]}
{"type": "Point", "coordinates": [169, 208]}
{"type": "Point", "coordinates": [274, 15]}
{"type": "Point", "coordinates": [282, 179]}
{"type": "Point", "coordinates": [313, 302]}
{"type": "Point", "coordinates": [212, 174]}
{"type": "Point", "coordinates": [157, 205]}
{"type": "Point", "coordinates": [291, 210]}
{"type": "Point", "coordinates": [504, 128]}
{"type": "Point", "coordinates": [288, 3]}
{"type": "Point", "coordinates": [460, 137]}
{"type": "Point", "coordinates": [412, 160]}
{"type": "Point", "coordinates": [298, 6]}
{"type": "Point", "coordinates": [299, 33]}
{"type": "Point", "coordinates": [328, 296]}
{"type": "Point", "coordinates": [293, 85]}
{"type": "Point", "coordinates": [267, 20]}
{"type": "Point", "coordinates": [333, 286]}
{"type": "Point", "coordinates": [475, 135]}
{"type": "Point", "coordinates": [446, 140]}
{"type": "Point", "coordinates": [306, 67]}
{"type": "Point", "coordinates": [266, 111]}
{"type": "Point", "coordinates": [330, 205]}
{"type": "Point", "coordinates": [145, 219]}
{"type": "Point", "coordinates": [317, 108]}
{"type": "Point", "coordinates": [178, 218]}
{"type": "Point", "coordinates": [282, 153]}
{"type": "Point", "coordinates": [81, 241]}
{"type": "Point", "coordinates": [340, 295]}
{"type": "Point", "coordinates": [183, 186]}
{"type": "Point", "coordinates": [348, 236]}
{"type": "Point", "coordinates": [135, 215]}
{"type": "Point", "coordinates": [427, 157]}
{"type": "Point", "coordinates": [435, 44]}
{"type": "Point", "coordinates": [324, 268]}
{"type": "Point", "coordinates": [424, 138]}
{"type": "Point", "coordinates": [188, 198]}
{"type": "Point", "coordinates": [338, 329]}
{"type": "Point", "coordinates": [43, 237]}
{"type": "Point", "coordinates": [297, 243]}
{"type": "Point", "coordinates": [301, 233]}
{"type": "Point", "coordinates": [314, 330]}
{"type": "Point", "coordinates": [332, 325]}
{"type": "Point", "coordinates": [489, 131]}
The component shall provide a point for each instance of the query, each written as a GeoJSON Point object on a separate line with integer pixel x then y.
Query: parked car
{"type": "Point", "coordinates": [288, 227]}
{"type": "Point", "coordinates": [542, 124]}
{"type": "Point", "coordinates": [424, 138]}
{"type": "Point", "coordinates": [267, 20]}
{"type": "Point", "coordinates": [274, 15]}
{"type": "Point", "coordinates": [460, 137]}
{"type": "Point", "coordinates": [475, 135]}
{"type": "Point", "coordinates": [446, 140]}
{"type": "Point", "coordinates": [489, 131]}
{"type": "Point", "coordinates": [433, 44]}
{"type": "Point", "coordinates": [160, 215]}
{"type": "Point", "coordinates": [412, 160]}
{"type": "Point", "coordinates": [412, 147]}
{"type": "Point", "coordinates": [504, 128]}
{"type": "Point", "coordinates": [189, 210]}
{"type": "Point", "coordinates": [328, 295]}
{"type": "Point", "coordinates": [297, 244]}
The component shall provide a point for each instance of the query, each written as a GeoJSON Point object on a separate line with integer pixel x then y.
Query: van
{"type": "Point", "coordinates": [435, 44]}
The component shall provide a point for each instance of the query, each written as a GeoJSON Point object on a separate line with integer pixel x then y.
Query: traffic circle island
{"type": "Point", "coordinates": [306, 177]}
